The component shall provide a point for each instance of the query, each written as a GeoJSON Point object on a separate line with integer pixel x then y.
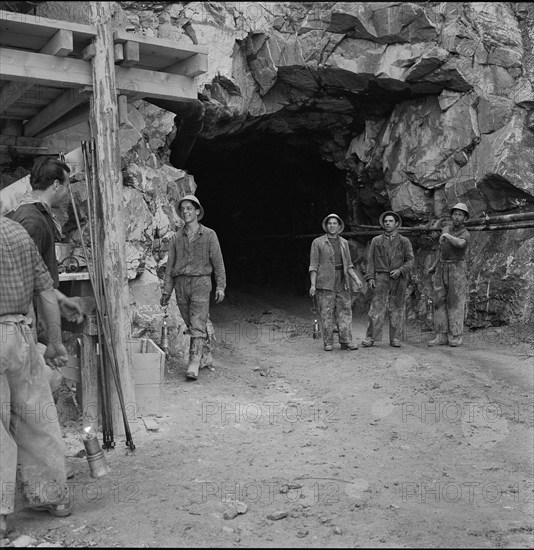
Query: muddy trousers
{"type": "Point", "coordinates": [335, 308]}
{"type": "Point", "coordinates": [193, 299]}
{"type": "Point", "coordinates": [389, 295]}
{"type": "Point", "coordinates": [30, 435]}
{"type": "Point", "coordinates": [450, 292]}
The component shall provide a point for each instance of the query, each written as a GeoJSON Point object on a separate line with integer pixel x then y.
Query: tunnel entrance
{"type": "Point", "coordinates": [259, 192]}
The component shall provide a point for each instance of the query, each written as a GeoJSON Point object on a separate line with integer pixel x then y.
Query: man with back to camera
{"type": "Point", "coordinates": [389, 261]}
{"type": "Point", "coordinates": [450, 280]}
{"type": "Point", "coordinates": [31, 444]}
{"type": "Point", "coordinates": [194, 254]}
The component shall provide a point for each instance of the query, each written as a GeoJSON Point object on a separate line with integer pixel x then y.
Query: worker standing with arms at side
{"type": "Point", "coordinates": [194, 254]}
{"type": "Point", "coordinates": [389, 260]}
{"type": "Point", "coordinates": [331, 271]}
{"type": "Point", "coordinates": [450, 280]}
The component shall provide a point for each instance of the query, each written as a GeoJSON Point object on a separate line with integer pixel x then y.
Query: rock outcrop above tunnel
{"type": "Point", "coordinates": [421, 104]}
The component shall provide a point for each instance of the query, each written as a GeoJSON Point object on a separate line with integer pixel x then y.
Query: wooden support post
{"type": "Point", "coordinates": [90, 402]}
{"type": "Point", "coordinates": [105, 130]}
{"type": "Point", "coordinates": [123, 109]}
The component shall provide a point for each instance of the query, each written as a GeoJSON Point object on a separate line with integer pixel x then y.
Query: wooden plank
{"type": "Point", "coordinates": [54, 111]}
{"type": "Point", "coordinates": [191, 67]}
{"type": "Point", "coordinates": [38, 68]}
{"type": "Point", "coordinates": [88, 52]}
{"type": "Point", "coordinates": [118, 53]}
{"type": "Point", "coordinates": [76, 116]}
{"type": "Point", "coordinates": [123, 109]}
{"type": "Point", "coordinates": [60, 44]}
{"type": "Point", "coordinates": [143, 83]}
{"type": "Point", "coordinates": [89, 386]}
{"type": "Point", "coordinates": [160, 47]}
{"type": "Point", "coordinates": [11, 92]}
{"type": "Point", "coordinates": [131, 53]}
{"type": "Point", "coordinates": [105, 129]}
{"type": "Point", "coordinates": [71, 73]}
{"type": "Point", "coordinates": [27, 25]}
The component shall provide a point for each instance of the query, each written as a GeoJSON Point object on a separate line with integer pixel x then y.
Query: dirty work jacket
{"type": "Point", "coordinates": [380, 260]}
{"type": "Point", "coordinates": [322, 261]}
{"type": "Point", "coordinates": [37, 219]}
{"type": "Point", "coordinates": [199, 257]}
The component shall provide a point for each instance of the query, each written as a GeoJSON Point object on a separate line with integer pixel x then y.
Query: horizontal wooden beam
{"type": "Point", "coordinates": [144, 83]}
{"type": "Point", "coordinates": [61, 44]}
{"type": "Point", "coordinates": [191, 67]}
{"type": "Point", "coordinates": [31, 25]}
{"type": "Point", "coordinates": [38, 68]}
{"type": "Point", "coordinates": [54, 111]}
{"type": "Point", "coordinates": [160, 46]}
{"type": "Point", "coordinates": [71, 73]}
{"type": "Point", "coordinates": [76, 116]}
{"type": "Point", "coordinates": [19, 141]}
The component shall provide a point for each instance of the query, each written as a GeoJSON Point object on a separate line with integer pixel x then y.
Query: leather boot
{"type": "Point", "coordinates": [195, 353]}
{"type": "Point", "coordinates": [439, 340]}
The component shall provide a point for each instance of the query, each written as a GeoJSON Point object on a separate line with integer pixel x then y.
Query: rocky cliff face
{"type": "Point", "coordinates": [420, 104]}
{"type": "Point", "coordinates": [415, 105]}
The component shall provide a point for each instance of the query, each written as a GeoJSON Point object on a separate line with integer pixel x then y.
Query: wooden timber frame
{"type": "Point", "coordinates": [55, 74]}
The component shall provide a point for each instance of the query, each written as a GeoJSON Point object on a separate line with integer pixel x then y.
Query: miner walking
{"type": "Point", "coordinates": [389, 261]}
{"type": "Point", "coordinates": [194, 254]}
{"type": "Point", "coordinates": [450, 280]}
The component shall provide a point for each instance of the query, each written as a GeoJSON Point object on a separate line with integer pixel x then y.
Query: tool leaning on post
{"type": "Point", "coordinates": [99, 289]}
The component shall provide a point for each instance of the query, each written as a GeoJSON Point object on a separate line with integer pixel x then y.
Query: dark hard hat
{"type": "Point", "coordinates": [389, 213]}
{"type": "Point", "coordinates": [341, 222]}
{"type": "Point", "coordinates": [195, 201]}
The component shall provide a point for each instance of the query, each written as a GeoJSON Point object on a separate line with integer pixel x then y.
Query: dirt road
{"type": "Point", "coordinates": [380, 447]}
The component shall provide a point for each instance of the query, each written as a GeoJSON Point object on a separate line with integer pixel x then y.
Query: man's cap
{"type": "Point", "coordinates": [195, 201]}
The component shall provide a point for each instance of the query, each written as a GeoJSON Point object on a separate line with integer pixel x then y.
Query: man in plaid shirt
{"type": "Point", "coordinates": [29, 438]}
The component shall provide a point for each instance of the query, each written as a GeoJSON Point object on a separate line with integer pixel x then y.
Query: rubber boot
{"type": "Point", "coordinates": [207, 359]}
{"type": "Point", "coordinates": [195, 353]}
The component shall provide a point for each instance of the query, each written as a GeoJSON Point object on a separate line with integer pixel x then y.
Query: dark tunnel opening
{"type": "Point", "coordinates": [259, 194]}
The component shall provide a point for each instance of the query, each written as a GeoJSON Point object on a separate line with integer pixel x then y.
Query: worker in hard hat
{"type": "Point", "coordinates": [194, 254]}
{"type": "Point", "coordinates": [333, 279]}
{"type": "Point", "coordinates": [450, 280]}
{"type": "Point", "coordinates": [389, 260]}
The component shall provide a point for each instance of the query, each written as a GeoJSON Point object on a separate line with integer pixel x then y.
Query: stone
{"type": "Point", "coordinates": [231, 513]}
{"type": "Point", "coordinates": [22, 541]}
{"type": "Point", "coordinates": [275, 516]}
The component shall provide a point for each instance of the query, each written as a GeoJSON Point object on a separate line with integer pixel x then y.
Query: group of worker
{"type": "Point", "coordinates": [389, 260]}
{"type": "Point", "coordinates": [32, 451]}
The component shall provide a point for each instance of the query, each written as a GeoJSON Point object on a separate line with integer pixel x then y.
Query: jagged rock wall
{"type": "Point", "coordinates": [422, 105]}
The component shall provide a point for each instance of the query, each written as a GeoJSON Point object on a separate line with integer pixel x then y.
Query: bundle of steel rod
{"type": "Point", "coordinates": [107, 360]}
